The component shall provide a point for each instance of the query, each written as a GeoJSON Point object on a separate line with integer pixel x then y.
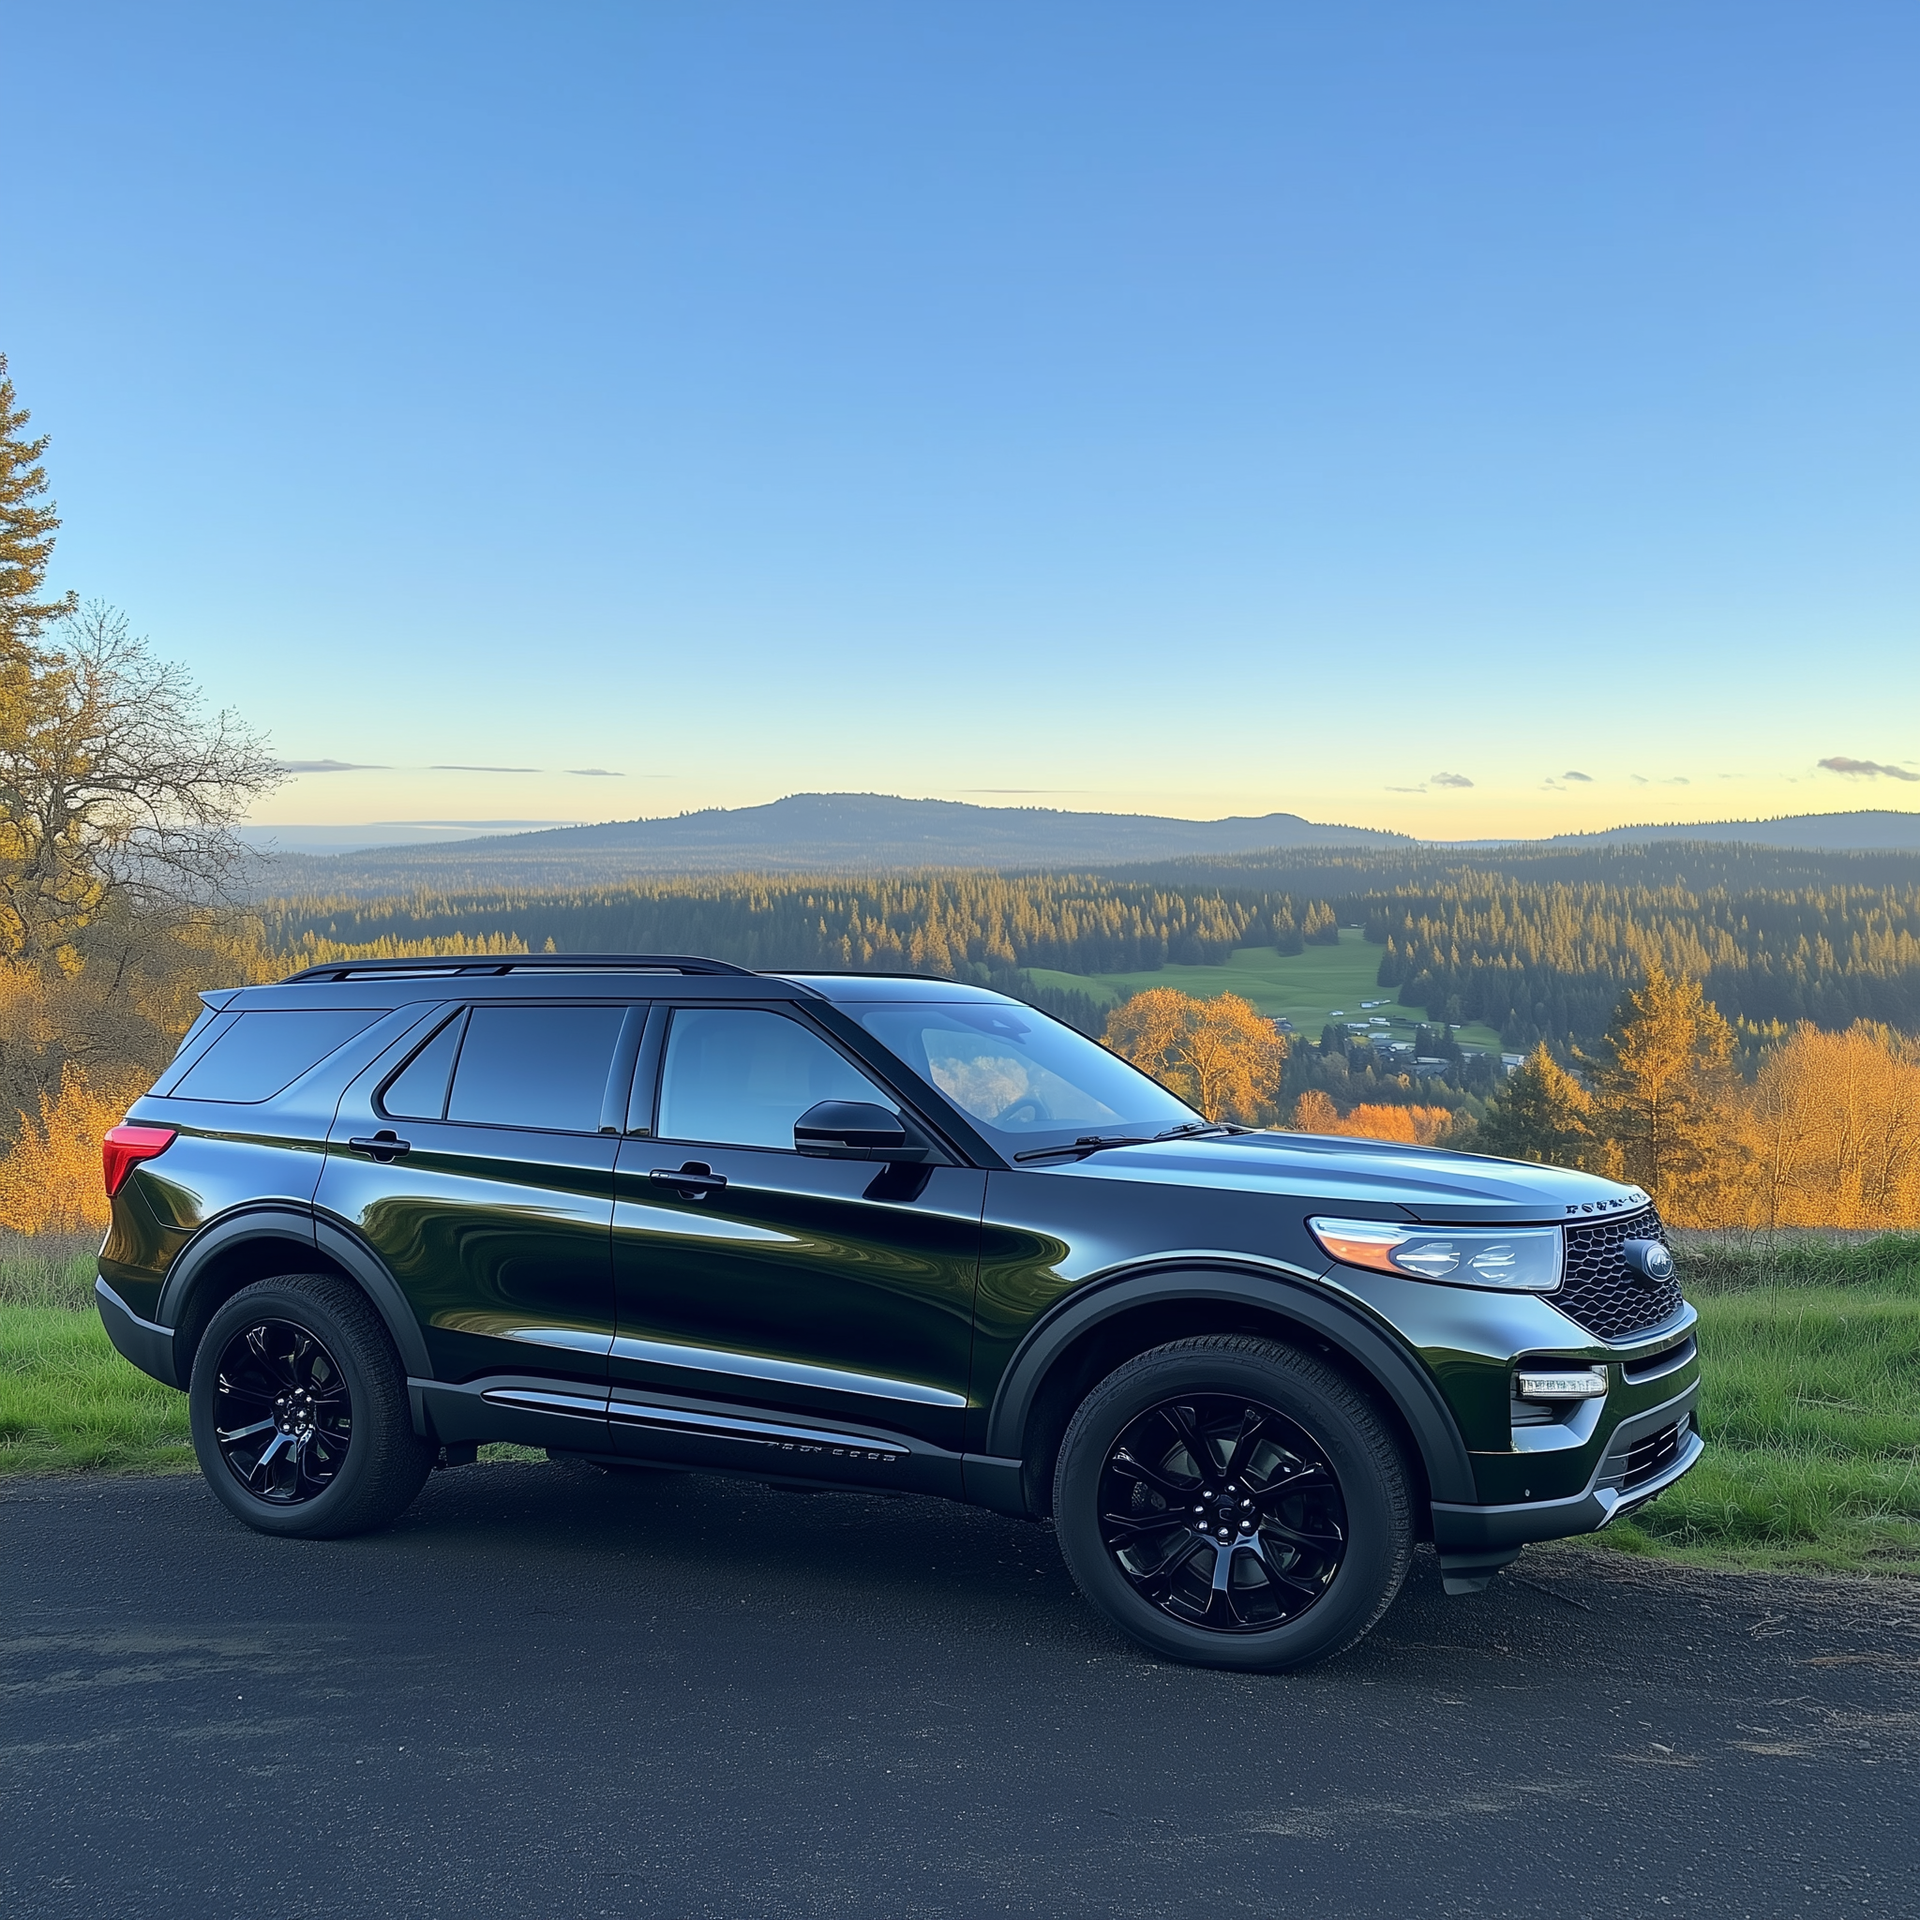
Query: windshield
{"type": "Point", "coordinates": [1022, 1078]}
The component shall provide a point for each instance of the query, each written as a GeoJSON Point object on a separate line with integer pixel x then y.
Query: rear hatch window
{"type": "Point", "coordinates": [263, 1053]}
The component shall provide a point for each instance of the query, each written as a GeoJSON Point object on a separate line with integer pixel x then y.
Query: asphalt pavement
{"type": "Point", "coordinates": [554, 1692]}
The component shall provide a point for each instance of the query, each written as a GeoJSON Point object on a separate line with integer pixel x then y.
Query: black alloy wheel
{"type": "Point", "coordinates": [283, 1413]}
{"type": "Point", "coordinates": [1230, 1501]}
{"type": "Point", "coordinates": [1223, 1513]}
{"type": "Point", "coordinates": [300, 1412]}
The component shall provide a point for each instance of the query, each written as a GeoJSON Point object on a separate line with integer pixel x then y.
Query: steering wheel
{"type": "Point", "coordinates": [1031, 1109]}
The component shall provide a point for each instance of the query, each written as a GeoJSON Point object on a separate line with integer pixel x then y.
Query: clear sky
{"type": "Point", "coordinates": [1179, 409]}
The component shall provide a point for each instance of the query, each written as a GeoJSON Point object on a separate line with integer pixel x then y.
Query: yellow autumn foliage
{"type": "Point", "coordinates": [1221, 1054]}
{"type": "Point", "coordinates": [1833, 1125]}
{"type": "Point", "coordinates": [51, 1181]}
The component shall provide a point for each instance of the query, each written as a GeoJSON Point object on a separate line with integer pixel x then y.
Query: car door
{"type": "Point", "coordinates": [754, 1280]}
{"type": "Point", "coordinates": [478, 1169]}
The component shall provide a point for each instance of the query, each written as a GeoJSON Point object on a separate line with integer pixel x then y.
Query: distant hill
{"type": "Point", "coordinates": [1881, 831]}
{"type": "Point", "coordinates": [812, 833]}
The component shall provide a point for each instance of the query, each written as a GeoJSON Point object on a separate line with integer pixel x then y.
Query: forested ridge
{"type": "Point", "coordinates": [1549, 962]}
{"type": "Point", "coordinates": [932, 923]}
{"type": "Point", "coordinates": [1536, 943]}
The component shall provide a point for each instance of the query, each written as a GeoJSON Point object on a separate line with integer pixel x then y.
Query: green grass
{"type": "Point", "coordinates": [1810, 1401]}
{"type": "Point", "coordinates": [1737, 1261]}
{"type": "Point", "coordinates": [1809, 1404]}
{"type": "Point", "coordinates": [1308, 988]}
{"type": "Point", "coordinates": [54, 1270]}
{"type": "Point", "coordinates": [67, 1399]}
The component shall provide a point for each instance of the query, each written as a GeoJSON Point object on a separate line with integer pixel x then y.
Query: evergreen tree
{"type": "Point", "coordinates": [1666, 1100]}
{"type": "Point", "coordinates": [27, 528]}
{"type": "Point", "coordinates": [1544, 1114]}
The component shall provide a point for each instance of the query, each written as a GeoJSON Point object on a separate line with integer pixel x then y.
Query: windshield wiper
{"type": "Point", "coordinates": [1098, 1142]}
{"type": "Point", "coordinates": [1087, 1143]}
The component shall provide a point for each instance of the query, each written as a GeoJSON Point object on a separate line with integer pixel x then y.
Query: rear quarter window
{"type": "Point", "coordinates": [264, 1053]}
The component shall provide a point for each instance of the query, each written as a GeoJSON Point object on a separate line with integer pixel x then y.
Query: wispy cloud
{"type": "Point", "coordinates": [382, 766]}
{"type": "Point", "coordinates": [1449, 780]}
{"type": "Point", "coordinates": [1406, 789]}
{"type": "Point", "coordinates": [1587, 777]}
{"type": "Point", "coordinates": [1638, 779]}
{"type": "Point", "coordinates": [1872, 769]}
{"type": "Point", "coordinates": [1678, 780]}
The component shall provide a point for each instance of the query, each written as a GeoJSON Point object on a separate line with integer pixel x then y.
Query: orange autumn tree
{"type": "Point", "coordinates": [1314, 1112]}
{"type": "Point", "coordinates": [1221, 1055]}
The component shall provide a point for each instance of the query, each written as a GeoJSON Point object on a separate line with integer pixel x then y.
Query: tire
{"type": "Point", "coordinates": [299, 1411]}
{"type": "Point", "coordinates": [1306, 1488]}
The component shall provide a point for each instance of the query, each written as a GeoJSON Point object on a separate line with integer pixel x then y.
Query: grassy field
{"type": "Point", "coordinates": [1810, 1404]}
{"type": "Point", "coordinates": [1811, 1401]}
{"type": "Point", "coordinates": [1308, 988]}
{"type": "Point", "coordinates": [67, 1399]}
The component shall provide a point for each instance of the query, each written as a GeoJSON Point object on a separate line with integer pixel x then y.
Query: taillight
{"type": "Point", "coordinates": [125, 1147]}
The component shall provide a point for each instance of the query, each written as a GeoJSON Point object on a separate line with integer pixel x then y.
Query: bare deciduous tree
{"type": "Point", "coordinates": [118, 792]}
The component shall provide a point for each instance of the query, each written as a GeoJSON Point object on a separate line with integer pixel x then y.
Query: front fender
{"type": "Point", "coordinates": [1393, 1368]}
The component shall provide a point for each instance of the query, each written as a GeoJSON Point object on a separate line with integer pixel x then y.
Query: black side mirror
{"type": "Point", "coordinates": [853, 1130]}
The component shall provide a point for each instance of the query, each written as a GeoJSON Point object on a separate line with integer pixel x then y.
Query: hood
{"type": "Point", "coordinates": [1374, 1178]}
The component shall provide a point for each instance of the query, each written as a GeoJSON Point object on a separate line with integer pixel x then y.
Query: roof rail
{"type": "Point", "coordinates": [456, 964]}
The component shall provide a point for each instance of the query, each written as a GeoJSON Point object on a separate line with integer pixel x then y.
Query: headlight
{"type": "Point", "coordinates": [1523, 1260]}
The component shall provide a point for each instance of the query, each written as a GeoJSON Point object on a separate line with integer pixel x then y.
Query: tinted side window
{"type": "Point", "coordinates": [419, 1090]}
{"type": "Point", "coordinates": [263, 1053]}
{"type": "Point", "coordinates": [535, 1066]}
{"type": "Point", "coordinates": [737, 1077]}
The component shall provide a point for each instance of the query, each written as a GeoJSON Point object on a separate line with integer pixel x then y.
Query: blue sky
{"type": "Point", "coordinates": [1184, 410]}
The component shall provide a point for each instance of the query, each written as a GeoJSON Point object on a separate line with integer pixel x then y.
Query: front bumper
{"type": "Point", "coordinates": [147, 1344]}
{"type": "Point", "coordinates": [1475, 1542]}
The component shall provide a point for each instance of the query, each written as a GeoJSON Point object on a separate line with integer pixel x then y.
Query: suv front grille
{"type": "Point", "coordinates": [1652, 1456]}
{"type": "Point", "coordinates": [1601, 1291]}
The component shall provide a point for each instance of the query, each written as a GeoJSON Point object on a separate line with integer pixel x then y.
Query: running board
{"type": "Point", "coordinates": [708, 1437]}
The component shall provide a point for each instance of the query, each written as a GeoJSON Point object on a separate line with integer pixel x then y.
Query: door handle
{"type": "Point", "coordinates": [385, 1145]}
{"type": "Point", "coordinates": [692, 1182]}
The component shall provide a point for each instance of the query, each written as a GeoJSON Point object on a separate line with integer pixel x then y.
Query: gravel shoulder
{"type": "Point", "coordinates": [551, 1691]}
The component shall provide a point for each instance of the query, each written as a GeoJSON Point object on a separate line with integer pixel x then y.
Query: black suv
{"type": "Point", "coordinates": [878, 1233]}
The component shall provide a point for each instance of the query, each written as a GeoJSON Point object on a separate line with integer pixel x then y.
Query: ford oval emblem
{"type": "Point", "coordinates": [1648, 1261]}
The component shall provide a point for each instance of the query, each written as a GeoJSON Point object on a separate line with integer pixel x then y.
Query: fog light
{"type": "Point", "coordinates": [1563, 1383]}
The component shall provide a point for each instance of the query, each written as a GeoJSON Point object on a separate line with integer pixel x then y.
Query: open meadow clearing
{"type": "Point", "coordinates": [1310, 988]}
